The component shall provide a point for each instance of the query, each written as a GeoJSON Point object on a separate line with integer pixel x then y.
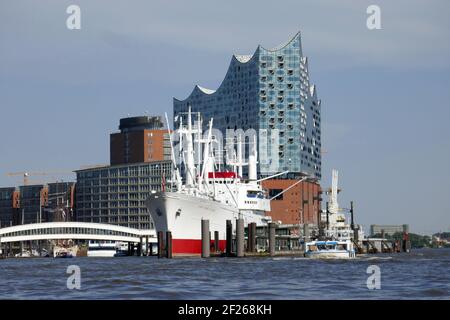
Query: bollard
{"type": "Point", "coordinates": [146, 246]}
{"type": "Point", "coordinates": [240, 237]}
{"type": "Point", "coordinates": [169, 245]}
{"type": "Point", "coordinates": [160, 244]}
{"type": "Point", "coordinates": [216, 241]}
{"type": "Point", "coordinates": [272, 239]}
{"type": "Point", "coordinates": [141, 247]}
{"type": "Point", "coordinates": [205, 239]}
{"type": "Point", "coordinates": [229, 235]}
{"type": "Point", "coordinates": [254, 237]}
{"type": "Point", "coordinates": [249, 237]}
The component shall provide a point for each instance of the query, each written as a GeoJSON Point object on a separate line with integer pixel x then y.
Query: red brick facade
{"type": "Point", "coordinates": [288, 208]}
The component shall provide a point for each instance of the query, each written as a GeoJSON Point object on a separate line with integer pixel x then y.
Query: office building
{"type": "Point", "coordinates": [117, 194]}
{"type": "Point", "coordinates": [377, 229]}
{"type": "Point", "coordinates": [141, 139]}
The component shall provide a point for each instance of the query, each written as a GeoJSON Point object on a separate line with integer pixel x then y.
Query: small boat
{"type": "Point", "coordinates": [340, 249]}
{"type": "Point", "coordinates": [62, 253]}
{"type": "Point", "coordinates": [44, 253]}
{"type": "Point", "coordinates": [107, 249]}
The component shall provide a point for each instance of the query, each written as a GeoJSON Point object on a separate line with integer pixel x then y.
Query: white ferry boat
{"type": "Point", "coordinates": [341, 249]}
{"type": "Point", "coordinates": [102, 249]}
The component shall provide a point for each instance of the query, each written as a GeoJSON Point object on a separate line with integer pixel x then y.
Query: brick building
{"type": "Point", "coordinates": [141, 139]}
{"type": "Point", "coordinates": [300, 204]}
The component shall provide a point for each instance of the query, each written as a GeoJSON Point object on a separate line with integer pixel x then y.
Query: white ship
{"type": "Point", "coordinates": [206, 194]}
{"type": "Point", "coordinates": [101, 249]}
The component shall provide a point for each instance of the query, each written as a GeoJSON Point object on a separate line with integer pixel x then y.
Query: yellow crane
{"type": "Point", "coordinates": [26, 174]}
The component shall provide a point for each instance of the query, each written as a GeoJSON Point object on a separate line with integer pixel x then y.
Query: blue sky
{"type": "Point", "coordinates": [385, 93]}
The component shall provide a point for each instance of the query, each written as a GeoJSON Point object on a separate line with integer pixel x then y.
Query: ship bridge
{"type": "Point", "coordinates": [74, 231]}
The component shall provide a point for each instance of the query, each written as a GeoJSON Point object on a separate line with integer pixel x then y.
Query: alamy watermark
{"type": "Point", "coordinates": [374, 280]}
{"type": "Point", "coordinates": [74, 280]}
{"type": "Point", "coordinates": [236, 145]}
{"type": "Point", "coordinates": [373, 21]}
{"type": "Point", "coordinates": [73, 22]}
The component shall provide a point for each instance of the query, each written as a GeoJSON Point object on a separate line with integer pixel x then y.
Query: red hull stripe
{"type": "Point", "coordinates": [191, 246]}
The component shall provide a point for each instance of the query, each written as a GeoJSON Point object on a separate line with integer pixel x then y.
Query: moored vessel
{"type": "Point", "coordinates": [206, 194]}
{"type": "Point", "coordinates": [340, 249]}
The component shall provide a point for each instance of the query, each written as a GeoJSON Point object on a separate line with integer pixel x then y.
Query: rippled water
{"type": "Point", "coordinates": [422, 274]}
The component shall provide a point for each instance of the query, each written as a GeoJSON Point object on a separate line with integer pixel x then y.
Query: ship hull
{"type": "Point", "coordinates": [181, 214]}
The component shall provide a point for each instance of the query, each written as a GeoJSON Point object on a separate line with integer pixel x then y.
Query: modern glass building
{"type": "Point", "coordinates": [116, 194]}
{"type": "Point", "coordinates": [269, 91]}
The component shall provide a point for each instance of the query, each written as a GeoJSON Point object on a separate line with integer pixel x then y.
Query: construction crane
{"type": "Point", "coordinates": [26, 174]}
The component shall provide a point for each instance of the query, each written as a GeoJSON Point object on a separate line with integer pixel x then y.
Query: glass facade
{"type": "Point", "coordinates": [270, 92]}
{"type": "Point", "coordinates": [6, 206]}
{"type": "Point", "coordinates": [117, 194]}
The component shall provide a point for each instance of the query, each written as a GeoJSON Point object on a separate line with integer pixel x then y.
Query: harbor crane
{"type": "Point", "coordinates": [26, 174]}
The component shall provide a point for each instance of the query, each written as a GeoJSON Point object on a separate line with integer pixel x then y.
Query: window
{"type": "Point", "coordinates": [274, 192]}
{"type": "Point", "coordinates": [290, 72]}
{"type": "Point", "coordinates": [280, 79]}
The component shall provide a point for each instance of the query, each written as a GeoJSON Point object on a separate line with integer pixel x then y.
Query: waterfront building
{"type": "Point", "coordinates": [36, 203]}
{"type": "Point", "coordinates": [141, 139]}
{"type": "Point", "coordinates": [116, 194]}
{"type": "Point", "coordinates": [270, 92]}
{"type": "Point", "coordinates": [9, 204]}
{"type": "Point", "coordinates": [60, 202]}
{"type": "Point", "coordinates": [300, 204]}
{"type": "Point", "coordinates": [377, 229]}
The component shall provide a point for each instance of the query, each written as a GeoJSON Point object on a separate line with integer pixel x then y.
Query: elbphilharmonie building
{"type": "Point", "coordinates": [269, 91]}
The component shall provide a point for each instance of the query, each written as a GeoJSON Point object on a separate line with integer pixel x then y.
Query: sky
{"type": "Point", "coordinates": [385, 93]}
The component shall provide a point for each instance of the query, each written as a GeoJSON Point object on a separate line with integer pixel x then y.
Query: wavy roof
{"type": "Point", "coordinates": [241, 59]}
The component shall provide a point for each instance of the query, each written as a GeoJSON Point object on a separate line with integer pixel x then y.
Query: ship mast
{"type": "Point", "coordinates": [172, 152]}
{"type": "Point", "coordinates": [189, 153]}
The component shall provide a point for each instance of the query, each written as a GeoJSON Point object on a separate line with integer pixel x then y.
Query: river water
{"type": "Point", "coordinates": [421, 274]}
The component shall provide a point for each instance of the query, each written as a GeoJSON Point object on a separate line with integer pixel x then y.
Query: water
{"type": "Point", "coordinates": [422, 274]}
